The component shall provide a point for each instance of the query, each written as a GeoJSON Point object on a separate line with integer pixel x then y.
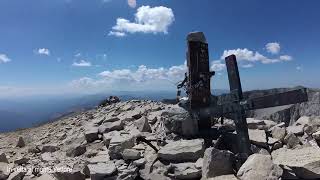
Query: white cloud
{"type": "Point", "coordinates": [106, 1]}
{"type": "Point", "coordinates": [217, 66]}
{"type": "Point", "coordinates": [4, 58]}
{"type": "Point", "coordinates": [117, 34]}
{"type": "Point", "coordinates": [44, 51]}
{"type": "Point", "coordinates": [273, 48]}
{"type": "Point", "coordinates": [147, 20]}
{"type": "Point", "coordinates": [250, 56]}
{"type": "Point", "coordinates": [247, 65]}
{"type": "Point", "coordinates": [132, 3]}
{"type": "Point", "coordinates": [299, 68]}
{"type": "Point", "coordinates": [82, 63]}
{"type": "Point", "coordinates": [77, 55]}
{"type": "Point", "coordinates": [285, 58]}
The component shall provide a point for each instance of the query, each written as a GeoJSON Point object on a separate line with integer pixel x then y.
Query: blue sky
{"type": "Point", "coordinates": [71, 46]}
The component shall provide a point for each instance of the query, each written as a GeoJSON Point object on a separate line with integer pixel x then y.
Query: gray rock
{"type": "Point", "coordinates": [143, 124]}
{"type": "Point", "coordinates": [111, 119]}
{"type": "Point", "coordinates": [131, 154]}
{"type": "Point", "coordinates": [76, 150]}
{"type": "Point", "coordinates": [303, 161]}
{"type": "Point", "coordinates": [101, 157]}
{"type": "Point", "coordinates": [3, 158]}
{"type": "Point", "coordinates": [16, 175]}
{"type": "Point", "coordinates": [259, 166]}
{"type": "Point", "coordinates": [47, 157]}
{"type": "Point", "coordinates": [91, 134]}
{"type": "Point", "coordinates": [258, 137]}
{"type": "Point", "coordinates": [110, 126]}
{"type": "Point", "coordinates": [73, 175]}
{"type": "Point", "coordinates": [224, 177]}
{"type": "Point", "coordinates": [291, 140]}
{"type": "Point", "coordinates": [184, 171]}
{"type": "Point", "coordinates": [118, 144]}
{"type": "Point", "coordinates": [139, 162]}
{"type": "Point", "coordinates": [108, 136]}
{"type": "Point", "coordinates": [199, 163]}
{"type": "Point", "coordinates": [296, 130]}
{"type": "Point", "coordinates": [316, 136]}
{"type": "Point", "coordinates": [46, 177]}
{"type": "Point", "coordinates": [21, 142]}
{"type": "Point", "coordinates": [21, 160]}
{"type": "Point", "coordinates": [34, 150]}
{"type": "Point", "coordinates": [182, 151]}
{"type": "Point", "coordinates": [4, 173]}
{"type": "Point", "coordinates": [153, 117]}
{"type": "Point", "coordinates": [279, 133]}
{"type": "Point", "coordinates": [260, 124]}
{"type": "Point", "coordinates": [50, 148]}
{"type": "Point", "coordinates": [101, 171]}
{"type": "Point", "coordinates": [216, 163]}
{"type": "Point", "coordinates": [128, 173]}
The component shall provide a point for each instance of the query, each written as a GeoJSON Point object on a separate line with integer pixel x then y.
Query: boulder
{"type": "Point", "coordinates": [16, 175]}
{"type": "Point", "coordinates": [305, 162]}
{"type": "Point", "coordinates": [278, 133]}
{"type": "Point", "coordinates": [76, 150]}
{"type": "Point", "coordinates": [108, 136]}
{"type": "Point", "coordinates": [4, 173]}
{"type": "Point", "coordinates": [110, 126]}
{"type": "Point", "coordinates": [154, 116]}
{"type": "Point", "coordinates": [21, 160]}
{"type": "Point", "coordinates": [225, 177]}
{"type": "Point", "coordinates": [101, 171]}
{"type": "Point", "coordinates": [259, 166]}
{"type": "Point", "coordinates": [75, 174]}
{"type": "Point", "coordinates": [91, 133]}
{"type": "Point", "coordinates": [21, 142]}
{"type": "Point", "coordinates": [139, 162]}
{"type": "Point", "coordinates": [316, 136]}
{"type": "Point", "coordinates": [258, 137]}
{"type": "Point", "coordinates": [46, 177]}
{"type": "Point", "coordinates": [34, 150]}
{"type": "Point", "coordinates": [199, 163]}
{"type": "Point", "coordinates": [128, 173]}
{"type": "Point", "coordinates": [260, 124]}
{"type": "Point", "coordinates": [50, 148]}
{"type": "Point", "coordinates": [216, 163]}
{"type": "Point", "coordinates": [3, 158]}
{"type": "Point", "coordinates": [182, 151]}
{"type": "Point", "coordinates": [101, 157]}
{"type": "Point", "coordinates": [118, 144]}
{"type": "Point", "coordinates": [184, 171]}
{"type": "Point", "coordinates": [47, 157]}
{"type": "Point", "coordinates": [291, 140]}
{"type": "Point", "coordinates": [131, 154]}
{"type": "Point", "coordinates": [143, 124]}
{"type": "Point", "coordinates": [111, 119]}
{"type": "Point", "coordinates": [296, 130]}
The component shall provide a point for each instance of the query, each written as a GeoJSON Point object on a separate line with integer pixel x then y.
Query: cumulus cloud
{"type": "Point", "coordinates": [147, 20]}
{"type": "Point", "coordinates": [4, 58]}
{"type": "Point", "coordinates": [273, 48]}
{"type": "Point", "coordinates": [44, 51]}
{"type": "Point", "coordinates": [247, 65]}
{"type": "Point", "coordinates": [250, 56]}
{"type": "Point", "coordinates": [82, 63]}
{"type": "Point", "coordinates": [217, 66]}
{"type": "Point", "coordinates": [132, 3]}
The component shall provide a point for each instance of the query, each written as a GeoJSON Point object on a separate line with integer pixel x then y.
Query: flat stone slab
{"type": "Point", "coordinates": [182, 151]}
{"type": "Point", "coordinates": [258, 137]}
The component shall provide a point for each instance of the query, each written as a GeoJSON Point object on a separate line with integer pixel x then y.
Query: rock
{"type": "Point", "coordinates": [101, 171]}
{"type": "Point", "coordinates": [303, 161]}
{"type": "Point", "coordinates": [182, 151]}
{"type": "Point", "coordinates": [77, 150]}
{"type": "Point", "coordinates": [199, 163]}
{"type": "Point", "coordinates": [184, 171]}
{"type": "Point", "coordinates": [279, 133]}
{"type": "Point", "coordinates": [47, 157]}
{"type": "Point", "coordinates": [309, 130]}
{"type": "Point", "coordinates": [291, 140]}
{"type": "Point", "coordinates": [217, 162]}
{"type": "Point", "coordinates": [34, 150]}
{"type": "Point", "coordinates": [50, 148]}
{"type": "Point", "coordinates": [21, 142]}
{"type": "Point", "coordinates": [258, 137]}
{"type": "Point", "coordinates": [316, 136]}
{"type": "Point", "coordinates": [21, 160]}
{"type": "Point", "coordinates": [128, 173]}
{"type": "Point", "coordinates": [4, 173]}
{"type": "Point", "coordinates": [108, 136]}
{"type": "Point", "coordinates": [131, 154]}
{"type": "Point", "coordinates": [272, 141]}
{"type": "Point", "coordinates": [110, 119]}
{"type": "Point", "coordinates": [70, 175]}
{"type": "Point", "coordinates": [118, 144]}
{"type": "Point", "coordinates": [153, 117]}
{"type": "Point", "coordinates": [110, 126]}
{"type": "Point", "coordinates": [225, 177]}
{"type": "Point", "coordinates": [259, 166]}
{"type": "Point", "coordinates": [260, 124]}
{"type": "Point", "coordinates": [101, 157]}
{"type": "Point", "coordinates": [139, 162]}
{"type": "Point", "coordinates": [16, 175]}
{"type": "Point", "coordinates": [91, 134]}
{"type": "Point", "coordinates": [46, 177]}
{"type": "Point", "coordinates": [277, 145]}
{"type": "Point", "coordinates": [3, 158]}
{"type": "Point", "coordinates": [296, 130]}
{"type": "Point", "coordinates": [143, 124]}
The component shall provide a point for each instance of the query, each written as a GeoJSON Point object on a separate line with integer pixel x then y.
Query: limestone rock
{"type": "Point", "coordinates": [258, 137]}
{"type": "Point", "coordinates": [118, 144]}
{"type": "Point", "coordinates": [305, 162]}
{"type": "Point", "coordinates": [21, 142]}
{"type": "Point", "coordinates": [3, 158]}
{"type": "Point", "coordinates": [101, 171]}
{"type": "Point", "coordinates": [259, 166]}
{"type": "Point", "coordinates": [110, 126]}
{"type": "Point", "coordinates": [216, 163]}
{"type": "Point", "coordinates": [91, 134]}
{"type": "Point", "coordinates": [77, 150]}
{"type": "Point", "coordinates": [184, 171]}
{"type": "Point", "coordinates": [278, 133]}
{"type": "Point", "coordinates": [182, 151]}
{"type": "Point", "coordinates": [131, 154]}
{"type": "Point", "coordinates": [143, 124]}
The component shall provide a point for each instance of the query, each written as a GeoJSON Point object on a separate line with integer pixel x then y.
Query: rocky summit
{"type": "Point", "coordinates": [147, 140]}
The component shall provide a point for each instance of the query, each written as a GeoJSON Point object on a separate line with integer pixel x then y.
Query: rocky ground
{"type": "Point", "coordinates": [107, 143]}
